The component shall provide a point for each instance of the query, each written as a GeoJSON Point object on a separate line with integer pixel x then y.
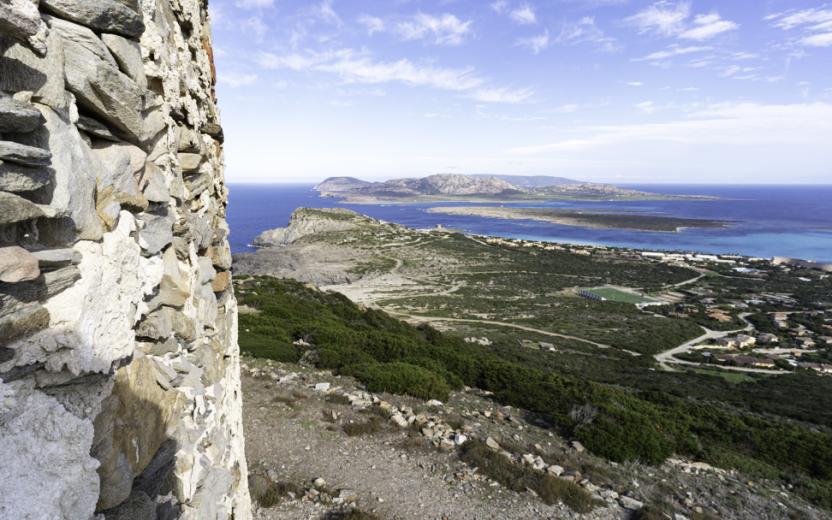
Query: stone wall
{"type": "Point", "coordinates": [119, 366]}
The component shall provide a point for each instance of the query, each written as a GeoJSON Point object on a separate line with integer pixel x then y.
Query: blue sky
{"type": "Point", "coordinates": [600, 90]}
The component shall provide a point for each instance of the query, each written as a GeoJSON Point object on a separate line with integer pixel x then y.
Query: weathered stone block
{"type": "Point", "coordinates": [102, 15]}
{"type": "Point", "coordinates": [17, 265]}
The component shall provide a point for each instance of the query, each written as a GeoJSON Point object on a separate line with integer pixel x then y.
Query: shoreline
{"type": "Point", "coordinates": [591, 220]}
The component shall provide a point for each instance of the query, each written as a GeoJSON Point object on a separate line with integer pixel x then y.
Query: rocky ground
{"type": "Point", "coordinates": [319, 446]}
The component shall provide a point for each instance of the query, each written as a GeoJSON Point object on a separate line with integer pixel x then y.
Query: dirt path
{"type": "Point", "coordinates": [433, 319]}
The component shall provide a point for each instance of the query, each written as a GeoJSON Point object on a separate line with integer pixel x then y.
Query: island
{"type": "Point", "coordinates": [481, 188]}
{"type": "Point", "coordinates": [589, 219]}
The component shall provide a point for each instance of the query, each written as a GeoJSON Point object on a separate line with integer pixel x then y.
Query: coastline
{"type": "Point", "coordinates": [591, 220]}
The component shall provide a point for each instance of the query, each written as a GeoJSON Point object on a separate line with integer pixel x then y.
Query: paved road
{"type": "Point", "coordinates": [664, 359]}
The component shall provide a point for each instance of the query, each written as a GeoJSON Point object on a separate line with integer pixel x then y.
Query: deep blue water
{"type": "Point", "coordinates": [766, 221]}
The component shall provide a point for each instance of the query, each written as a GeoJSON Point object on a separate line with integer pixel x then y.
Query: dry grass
{"type": "Point", "coordinates": [353, 514]}
{"type": "Point", "coordinates": [520, 478]}
{"type": "Point", "coordinates": [368, 427]}
{"type": "Point", "coordinates": [337, 399]}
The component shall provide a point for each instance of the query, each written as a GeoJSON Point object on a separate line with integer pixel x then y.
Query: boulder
{"type": "Point", "coordinates": [577, 446]}
{"type": "Point", "coordinates": [102, 15]}
{"type": "Point", "coordinates": [17, 265]}
{"type": "Point", "coordinates": [17, 209]}
{"type": "Point", "coordinates": [21, 20]}
{"type": "Point", "coordinates": [19, 179]}
{"type": "Point", "coordinates": [128, 54]}
{"type": "Point", "coordinates": [23, 154]}
{"type": "Point", "coordinates": [18, 117]}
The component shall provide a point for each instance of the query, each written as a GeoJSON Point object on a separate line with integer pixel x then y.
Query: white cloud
{"type": "Point", "coordinates": [444, 29]}
{"type": "Point", "coordinates": [502, 95]}
{"type": "Point", "coordinates": [635, 83]}
{"type": "Point", "coordinates": [566, 109]}
{"type": "Point", "coordinates": [256, 26]}
{"type": "Point", "coordinates": [706, 26]}
{"type": "Point", "coordinates": [373, 24]}
{"type": "Point", "coordinates": [664, 17]}
{"type": "Point", "coordinates": [499, 6]}
{"type": "Point", "coordinates": [524, 15]}
{"type": "Point", "coordinates": [236, 79]}
{"type": "Point", "coordinates": [815, 25]}
{"type": "Point", "coordinates": [670, 52]}
{"type": "Point", "coordinates": [671, 19]}
{"type": "Point", "coordinates": [818, 40]}
{"type": "Point", "coordinates": [648, 107]}
{"type": "Point", "coordinates": [812, 17]}
{"type": "Point", "coordinates": [732, 124]}
{"type": "Point", "coordinates": [585, 31]}
{"type": "Point", "coordinates": [535, 43]}
{"type": "Point", "coordinates": [253, 4]}
{"type": "Point", "coordinates": [326, 13]}
{"type": "Point", "coordinates": [354, 67]}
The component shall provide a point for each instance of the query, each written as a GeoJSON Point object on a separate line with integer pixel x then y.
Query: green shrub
{"type": "Point", "coordinates": [520, 478]}
{"type": "Point", "coordinates": [642, 415]}
{"type": "Point", "coordinates": [401, 378]}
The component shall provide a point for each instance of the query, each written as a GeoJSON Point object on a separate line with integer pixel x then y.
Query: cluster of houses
{"type": "Point", "coordinates": [763, 350]}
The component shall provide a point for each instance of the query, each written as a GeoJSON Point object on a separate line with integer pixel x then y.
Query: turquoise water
{"type": "Point", "coordinates": [765, 221]}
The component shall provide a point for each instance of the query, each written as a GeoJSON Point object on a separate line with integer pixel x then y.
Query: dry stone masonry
{"type": "Point", "coordinates": [119, 367]}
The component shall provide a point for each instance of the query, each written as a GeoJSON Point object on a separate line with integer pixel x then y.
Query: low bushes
{"type": "Point", "coordinates": [368, 427]}
{"type": "Point", "coordinates": [630, 424]}
{"type": "Point", "coordinates": [520, 478]}
{"type": "Point", "coordinates": [401, 378]}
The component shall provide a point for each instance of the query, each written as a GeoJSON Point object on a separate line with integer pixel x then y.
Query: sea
{"type": "Point", "coordinates": [763, 221]}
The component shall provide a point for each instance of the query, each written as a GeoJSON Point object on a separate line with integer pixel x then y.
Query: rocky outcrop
{"type": "Point", "coordinates": [305, 222]}
{"type": "Point", "coordinates": [119, 365]}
